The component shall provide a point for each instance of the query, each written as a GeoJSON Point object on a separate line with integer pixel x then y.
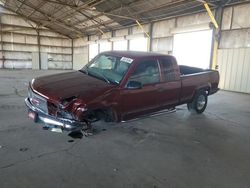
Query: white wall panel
{"type": "Point", "coordinates": [163, 28]}
{"type": "Point", "coordinates": [136, 29]}
{"type": "Point", "coordinates": [241, 16]}
{"type": "Point", "coordinates": [60, 57]}
{"type": "Point", "coordinates": [31, 39]}
{"type": "Point", "coordinates": [59, 65]}
{"type": "Point", "coordinates": [234, 68]}
{"type": "Point", "coordinates": [80, 42]}
{"type": "Point", "coordinates": [78, 50]}
{"type": "Point", "coordinates": [193, 19]}
{"type": "Point", "coordinates": [235, 38]}
{"type": "Point", "coordinates": [121, 32]}
{"type": "Point", "coordinates": [162, 45]}
{"type": "Point", "coordinates": [79, 61]}
{"type": "Point", "coordinates": [226, 18]}
{"type": "Point", "coordinates": [20, 47]}
{"type": "Point", "coordinates": [55, 42]}
{"type": "Point", "coordinates": [15, 64]}
{"type": "Point", "coordinates": [35, 60]}
{"type": "Point", "coordinates": [18, 55]}
{"type": "Point", "coordinates": [53, 49]}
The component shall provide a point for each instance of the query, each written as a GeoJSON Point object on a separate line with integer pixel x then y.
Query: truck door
{"type": "Point", "coordinates": [136, 102]}
{"type": "Point", "coordinates": [170, 88]}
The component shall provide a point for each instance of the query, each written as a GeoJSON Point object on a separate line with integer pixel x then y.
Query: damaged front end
{"type": "Point", "coordinates": [57, 117]}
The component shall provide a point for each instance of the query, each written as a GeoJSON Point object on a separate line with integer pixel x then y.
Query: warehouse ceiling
{"type": "Point", "coordinates": [76, 18]}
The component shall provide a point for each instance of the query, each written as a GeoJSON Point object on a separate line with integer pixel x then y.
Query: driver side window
{"type": "Point", "coordinates": [146, 72]}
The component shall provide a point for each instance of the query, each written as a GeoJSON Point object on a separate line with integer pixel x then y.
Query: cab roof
{"type": "Point", "coordinates": [135, 54]}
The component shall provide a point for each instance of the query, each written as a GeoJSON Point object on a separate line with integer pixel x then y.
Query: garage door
{"type": "Point", "coordinates": [193, 48]}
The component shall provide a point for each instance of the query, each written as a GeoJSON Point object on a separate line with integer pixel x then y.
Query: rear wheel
{"type": "Point", "coordinates": [199, 102]}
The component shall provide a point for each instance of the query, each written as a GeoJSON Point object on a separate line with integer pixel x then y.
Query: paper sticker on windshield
{"type": "Point", "coordinates": [126, 59]}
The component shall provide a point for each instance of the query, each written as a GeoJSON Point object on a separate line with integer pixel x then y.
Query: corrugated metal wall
{"type": "Point", "coordinates": [19, 45]}
{"type": "Point", "coordinates": [234, 67]}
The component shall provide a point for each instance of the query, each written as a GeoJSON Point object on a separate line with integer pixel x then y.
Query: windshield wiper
{"type": "Point", "coordinates": [103, 76]}
{"type": "Point", "coordinates": [85, 70]}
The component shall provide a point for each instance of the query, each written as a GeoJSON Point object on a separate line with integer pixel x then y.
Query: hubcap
{"type": "Point", "coordinates": [201, 101]}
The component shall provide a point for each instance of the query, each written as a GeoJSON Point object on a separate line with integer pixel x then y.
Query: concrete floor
{"type": "Point", "coordinates": [173, 150]}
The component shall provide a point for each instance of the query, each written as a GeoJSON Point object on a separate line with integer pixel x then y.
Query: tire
{"type": "Point", "coordinates": [199, 103]}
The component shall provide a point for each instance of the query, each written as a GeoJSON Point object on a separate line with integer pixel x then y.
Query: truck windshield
{"type": "Point", "coordinates": [108, 68]}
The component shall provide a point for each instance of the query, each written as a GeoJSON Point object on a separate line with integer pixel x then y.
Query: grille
{"type": "Point", "coordinates": [38, 101]}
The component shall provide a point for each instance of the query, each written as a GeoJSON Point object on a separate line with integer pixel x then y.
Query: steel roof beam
{"type": "Point", "coordinates": [52, 20]}
{"type": "Point", "coordinates": [20, 6]}
{"type": "Point", "coordinates": [132, 17]}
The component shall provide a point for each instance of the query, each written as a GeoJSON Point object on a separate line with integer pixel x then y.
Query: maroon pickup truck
{"type": "Point", "coordinates": [118, 86]}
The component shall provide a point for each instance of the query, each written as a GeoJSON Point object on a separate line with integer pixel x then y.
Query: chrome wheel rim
{"type": "Point", "coordinates": [201, 101]}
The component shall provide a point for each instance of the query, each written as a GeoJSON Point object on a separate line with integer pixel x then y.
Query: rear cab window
{"type": "Point", "coordinates": [169, 69]}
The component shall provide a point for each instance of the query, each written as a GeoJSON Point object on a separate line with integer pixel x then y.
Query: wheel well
{"type": "Point", "coordinates": [206, 89]}
{"type": "Point", "coordinates": [105, 114]}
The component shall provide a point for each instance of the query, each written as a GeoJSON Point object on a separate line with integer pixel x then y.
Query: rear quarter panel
{"type": "Point", "coordinates": [193, 82]}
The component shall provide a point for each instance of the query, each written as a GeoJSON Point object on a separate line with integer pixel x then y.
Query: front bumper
{"type": "Point", "coordinates": [52, 123]}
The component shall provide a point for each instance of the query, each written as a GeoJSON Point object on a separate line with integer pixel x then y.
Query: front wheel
{"type": "Point", "coordinates": [199, 102]}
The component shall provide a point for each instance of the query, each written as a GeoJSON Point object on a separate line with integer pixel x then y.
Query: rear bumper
{"type": "Point", "coordinates": [52, 123]}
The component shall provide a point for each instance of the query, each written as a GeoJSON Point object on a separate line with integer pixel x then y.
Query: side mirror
{"type": "Point", "coordinates": [134, 85]}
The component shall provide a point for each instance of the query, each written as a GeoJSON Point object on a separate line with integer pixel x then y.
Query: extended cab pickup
{"type": "Point", "coordinates": [118, 86]}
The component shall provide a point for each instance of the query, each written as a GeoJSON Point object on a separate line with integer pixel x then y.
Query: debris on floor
{"type": "Point", "coordinates": [23, 149]}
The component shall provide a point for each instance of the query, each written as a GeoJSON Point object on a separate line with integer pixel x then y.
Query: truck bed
{"type": "Point", "coordinates": [193, 78]}
{"type": "Point", "coordinates": [185, 70]}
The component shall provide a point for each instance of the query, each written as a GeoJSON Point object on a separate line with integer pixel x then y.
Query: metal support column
{"type": "Point", "coordinates": [39, 48]}
{"type": "Point", "coordinates": [112, 43]}
{"type": "Point", "coordinates": [72, 52]}
{"type": "Point", "coordinates": [150, 36]}
{"type": "Point", "coordinates": [2, 52]}
{"type": "Point", "coordinates": [128, 41]}
{"type": "Point", "coordinates": [216, 37]}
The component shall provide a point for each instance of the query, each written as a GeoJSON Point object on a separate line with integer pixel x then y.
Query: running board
{"type": "Point", "coordinates": [167, 111]}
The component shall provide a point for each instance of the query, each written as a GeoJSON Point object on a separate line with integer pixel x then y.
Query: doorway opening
{"type": "Point", "coordinates": [193, 48]}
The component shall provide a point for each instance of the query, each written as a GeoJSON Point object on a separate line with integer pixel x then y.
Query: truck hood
{"type": "Point", "coordinates": [73, 84]}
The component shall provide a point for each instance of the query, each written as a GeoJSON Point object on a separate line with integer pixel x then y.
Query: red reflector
{"type": "Point", "coordinates": [31, 115]}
